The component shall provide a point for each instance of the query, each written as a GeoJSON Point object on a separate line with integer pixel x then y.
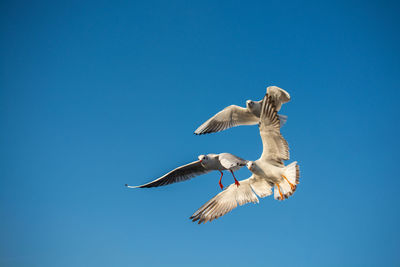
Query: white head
{"type": "Point", "coordinates": [250, 165]}
{"type": "Point", "coordinates": [203, 158]}
{"type": "Point", "coordinates": [249, 104]}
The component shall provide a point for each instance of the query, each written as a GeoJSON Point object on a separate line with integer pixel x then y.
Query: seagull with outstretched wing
{"type": "Point", "coordinates": [233, 115]}
{"type": "Point", "coordinates": [275, 151]}
{"type": "Point", "coordinates": [205, 164]}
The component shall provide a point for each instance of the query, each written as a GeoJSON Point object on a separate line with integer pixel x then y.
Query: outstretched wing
{"type": "Point", "coordinates": [279, 96]}
{"type": "Point", "coordinates": [233, 195]}
{"type": "Point", "coordinates": [180, 174]}
{"type": "Point", "coordinates": [228, 117]}
{"type": "Point", "coordinates": [275, 147]}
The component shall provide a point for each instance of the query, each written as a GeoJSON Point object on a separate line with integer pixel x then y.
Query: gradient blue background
{"type": "Point", "coordinates": [98, 94]}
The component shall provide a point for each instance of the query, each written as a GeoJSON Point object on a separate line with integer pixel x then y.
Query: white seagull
{"type": "Point", "coordinates": [205, 164]}
{"type": "Point", "coordinates": [275, 149]}
{"type": "Point", "coordinates": [268, 171]}
{"type": "Point", "coordinates": [233, 115]}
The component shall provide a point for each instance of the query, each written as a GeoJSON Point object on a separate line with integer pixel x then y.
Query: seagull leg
{"type": "Point", "coordinates": [220, 184]}
{"type": "Point", "coordinates": [291, 185]}
{"type": "Point", "coordinates": [280, 193]}
{"type": "Point", "coordinates": [236, 181]}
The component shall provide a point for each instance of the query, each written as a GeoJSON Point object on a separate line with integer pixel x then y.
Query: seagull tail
{"type": "Point", "coordinates": [289, 183]}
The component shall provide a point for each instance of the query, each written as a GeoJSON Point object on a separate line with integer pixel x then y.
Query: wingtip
{"type": "Point", "coordinates": [194, 218]}
{"type": "Point", "coordinates": [131, 186]}
{"type": "Point", "coordinates": [206, 132]}
{"type": "Point", "coordinates": [200, 132]}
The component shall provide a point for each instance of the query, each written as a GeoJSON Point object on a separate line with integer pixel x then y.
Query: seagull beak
{"type": "Point", "coordinates": [201, 161]}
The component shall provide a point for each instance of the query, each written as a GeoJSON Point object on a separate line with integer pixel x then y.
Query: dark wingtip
{"type": "Point", "coordinates": [126, 184]}
{"type": "Point", "coordinates": [194, 218]}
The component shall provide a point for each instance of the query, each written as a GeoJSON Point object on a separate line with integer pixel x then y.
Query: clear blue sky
{"type": "Point", "coordinates": [93, 94]}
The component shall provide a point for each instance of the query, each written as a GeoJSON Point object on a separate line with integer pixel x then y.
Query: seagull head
{"type": "Point", "coordinates": [203, 158]}
{"type": "Point", "coordinates": [250, 165]}
{"type": "Point", "coordinates": [249, 104]}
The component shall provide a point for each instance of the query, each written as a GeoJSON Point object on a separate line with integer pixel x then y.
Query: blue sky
{"type": "Point", "coordinates": [97, 94]}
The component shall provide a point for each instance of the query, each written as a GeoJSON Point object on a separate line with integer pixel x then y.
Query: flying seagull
{"type": "Point", "coordinates": [205, 164]}
{"type": "Point", "coordinates": [275, 149]}
{"type": "Point", "coordinates": [233, 115]}
{"type": "Point", "coordinates": [268, 171]}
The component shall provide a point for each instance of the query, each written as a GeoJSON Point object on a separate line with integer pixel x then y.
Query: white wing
{"type": "Point", "coordinates": [229, 161]}
{"type": "Point", "coordinates": [233, 195]}
{"type": "Point", "coordinates": [179, 174]}
{"type": "Point", "coordinates": [279, 96]}
{"type": "Point", "coordinates": [228, 117]}
{"type": "Point", "coordinates": [275, 147]}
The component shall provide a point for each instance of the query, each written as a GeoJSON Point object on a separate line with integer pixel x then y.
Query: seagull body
{"type": "Point", "coordinates": [233, 115]}
{"type": "Point", "coordinates": [222, 161]}
{"type": "Point", "coordinates": [206, 163]}
{"type": "Point", "coordinates": [268, 171]}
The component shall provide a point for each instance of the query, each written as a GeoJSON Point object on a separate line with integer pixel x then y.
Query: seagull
{"type": "Point", "coordinates": [233, 115]}
{"type": "Point", "coordinates": [204, 164]}
{"type": "Point", "coordinates": [275, 150]}
{"type": "Point", "coordinates": [268, 171]}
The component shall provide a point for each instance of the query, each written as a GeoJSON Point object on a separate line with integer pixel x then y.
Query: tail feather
{"type": "Point", "coordinates": [292, 173]}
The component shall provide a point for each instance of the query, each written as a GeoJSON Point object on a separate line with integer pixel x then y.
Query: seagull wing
{"type": "Point", "coordinates": [229, 161]}
{"type": "Point", "coordinates": [180, 174]}
{"type": "Point", "coordinates": [228, 117]}
{"type": "Point", "coordinates": [279, 96]}
{"type": "Point", "coordinates": [233, 195]}
{"type": "Point", "coordinates": [275, 147]}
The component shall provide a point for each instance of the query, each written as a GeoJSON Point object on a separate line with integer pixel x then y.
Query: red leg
{"type": "Point", "coordinates": [220, 184]}
{"type": "Point", "coordinates": [236, 181]}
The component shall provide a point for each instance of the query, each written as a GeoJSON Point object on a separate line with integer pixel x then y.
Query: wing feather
{"type": "Point", "coordinates": [229, 199]}
{"type": "Point", "coordinates": [275, 147]}
{"type": "Point", "coordinates": [179, 174]}
{"type": "Point", "coordinates": [279, 96]}
{"type": "Point", "coordinates": [229, 117]}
